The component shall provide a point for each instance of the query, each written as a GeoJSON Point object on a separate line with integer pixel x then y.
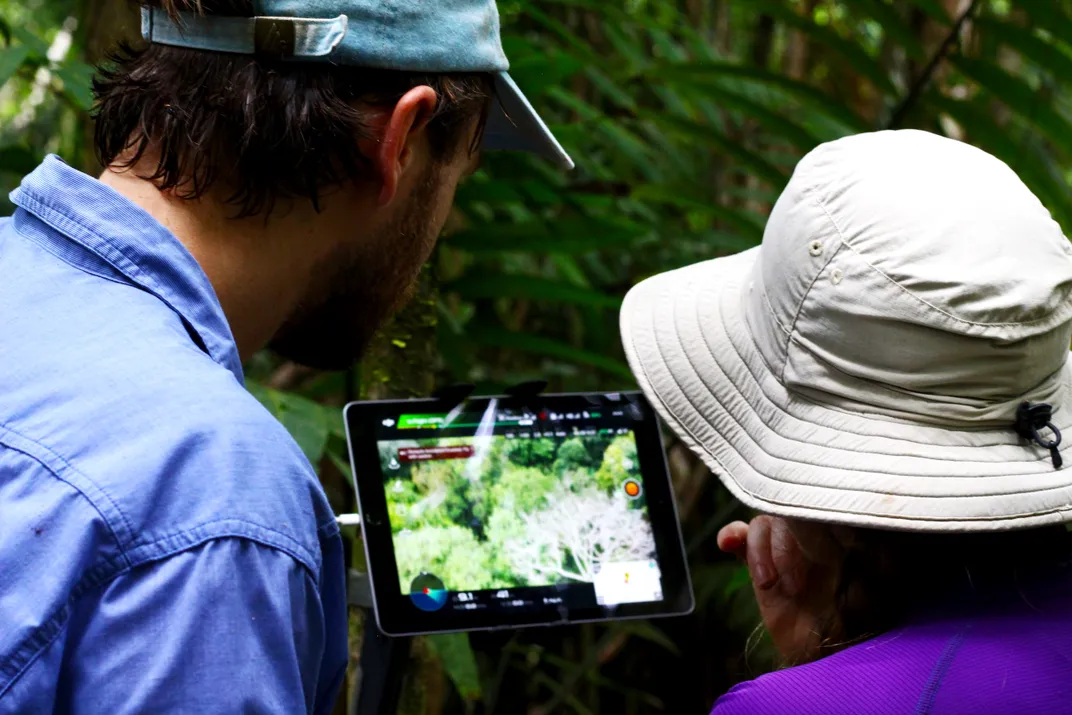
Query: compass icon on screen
{"type": "Point", "coordinates": [428, 593]}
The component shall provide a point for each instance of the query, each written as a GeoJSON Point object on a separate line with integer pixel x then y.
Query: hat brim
{"type": "Point", "coordinates": [687, 340]}
{"type": "Point", "coordinates": [514, 125]}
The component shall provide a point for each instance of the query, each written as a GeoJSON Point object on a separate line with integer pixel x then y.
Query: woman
{"type": "Point", "coordinates": [886, 380]}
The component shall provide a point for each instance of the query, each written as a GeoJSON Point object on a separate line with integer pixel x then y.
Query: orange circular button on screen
{"type": "Point", "coordinates": [632, 489]}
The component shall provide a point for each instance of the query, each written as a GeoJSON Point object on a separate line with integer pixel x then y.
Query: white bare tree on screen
{"type": "Point", "coordinates": [575, 533]}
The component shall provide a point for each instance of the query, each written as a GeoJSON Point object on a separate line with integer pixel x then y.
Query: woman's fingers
{"type": "Point", "coordinates": [733, 537]}
{"type": "Point", "coordinates": [783, 578]}
{"type": "Point", "coordinates": [760, 560]}
{"type": "Point", "coordinates": [771, 549]}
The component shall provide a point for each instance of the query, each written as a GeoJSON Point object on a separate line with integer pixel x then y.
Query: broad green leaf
{"type": "Point", "coordinates": [702, 73]}
{"type": "Point", "coordinates": [456, 655]}
{"type": "Point", "coordinates": [499, 337]}
{"type": "Point", "coordinates": [11, 58]}
{"type": "Point", "coordinates": [712, 137]}
{"type": "Point", "coordinates": [307, 421]}
{"type": "Point", "coordinates": [36, 45]}
{"type": "Point", "coordinates": [77, 78]}
{"type": "Point", "coordinates": [575, 235]}
{"type": "Point", "coordinates": [499, 285]}
{"type": "Point", "coordinates": [263, 394]}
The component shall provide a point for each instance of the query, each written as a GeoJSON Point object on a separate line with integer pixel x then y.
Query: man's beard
{"type": "Point", "coordinates": [355, 290]}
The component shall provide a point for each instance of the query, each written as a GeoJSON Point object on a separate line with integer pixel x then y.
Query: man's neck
{"type": "Point", "coordinates": [258, 267]}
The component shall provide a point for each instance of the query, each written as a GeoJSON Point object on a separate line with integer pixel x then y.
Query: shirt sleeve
{"type": "Point", "coordinates": [228, 627]}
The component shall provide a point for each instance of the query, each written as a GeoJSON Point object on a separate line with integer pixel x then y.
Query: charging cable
{"type": "Point", "coordinates": [348, 519]}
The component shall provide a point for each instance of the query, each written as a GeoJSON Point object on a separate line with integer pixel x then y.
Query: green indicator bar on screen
{"type": "Point", "coordinates": [421, 421]}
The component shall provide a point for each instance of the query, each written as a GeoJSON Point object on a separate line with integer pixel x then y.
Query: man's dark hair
{"type": "Point", "coordinates": [265, 129]}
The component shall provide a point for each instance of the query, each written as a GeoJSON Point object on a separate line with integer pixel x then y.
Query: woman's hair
{"type": "Point", "coordinates": [266, 129]}
{"type": "Point", "coordinates": [887, 577]}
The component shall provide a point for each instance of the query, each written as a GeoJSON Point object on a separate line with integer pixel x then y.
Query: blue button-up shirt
{"type": "Point", "coordinates": [165, 546]}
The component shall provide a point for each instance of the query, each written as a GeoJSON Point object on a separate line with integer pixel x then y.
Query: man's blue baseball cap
{"type": "Point", "coordinates": [433, 36]}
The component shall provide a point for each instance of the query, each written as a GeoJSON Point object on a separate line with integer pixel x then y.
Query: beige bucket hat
{"type": "Point", "coordinates": [869, 363]}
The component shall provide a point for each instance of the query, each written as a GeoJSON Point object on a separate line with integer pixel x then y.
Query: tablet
{"type": "Point", "coordinates": [501, 513]}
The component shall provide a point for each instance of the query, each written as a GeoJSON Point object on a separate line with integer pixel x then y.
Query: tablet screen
{"type": "Point", "coordinates": [497, 515]}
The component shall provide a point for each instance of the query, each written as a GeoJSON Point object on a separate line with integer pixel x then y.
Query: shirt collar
{"type": "Point", "coordinates": [135, 244]}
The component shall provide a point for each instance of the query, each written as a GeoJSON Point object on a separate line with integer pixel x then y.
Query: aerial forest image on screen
{"type": "Point", "coordinates": [498, 512]}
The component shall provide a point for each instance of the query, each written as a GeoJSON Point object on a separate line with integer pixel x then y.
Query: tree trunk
{"type": "Point", "coordinates": [401, 363]}
{"type": "Point", "coordinates": [402, 359]}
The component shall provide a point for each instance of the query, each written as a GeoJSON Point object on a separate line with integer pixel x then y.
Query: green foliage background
{"type": "Point", "coordinates": [686, 118]}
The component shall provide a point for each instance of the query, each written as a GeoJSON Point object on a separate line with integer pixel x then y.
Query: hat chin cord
{"type": "Point", "coordinates": [1032, 417]}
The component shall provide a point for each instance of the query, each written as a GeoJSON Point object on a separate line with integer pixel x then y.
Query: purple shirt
{"type": "Point", "coordinates": [1005, 661]}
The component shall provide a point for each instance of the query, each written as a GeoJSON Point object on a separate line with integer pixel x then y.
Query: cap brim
{"type": "Point", "coordinates": [514, 125]}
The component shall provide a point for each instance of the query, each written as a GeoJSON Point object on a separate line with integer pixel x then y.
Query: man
{"type": "Point", "coordinates": [164, 545]}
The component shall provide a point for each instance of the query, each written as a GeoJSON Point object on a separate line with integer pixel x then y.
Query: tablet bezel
{"type": "Point", "coordinates": [396, 616]}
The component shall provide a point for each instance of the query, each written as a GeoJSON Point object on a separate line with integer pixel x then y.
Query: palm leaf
{"type": "Point", "coordinates": [747, 224]}
{"type": "Point", "coordinates": [700, 75]}
{"type": "Point", "coordinates": [977, 120]}
{"type": "Point", "coordinates": [780, 126]}
{"type": "Point", "coordinates": [1050, 16]}
{"type": "Point", "coordinates": [474, 285]}
{"type": "Point", "coordinates": [572, 235]}
{"type": "Point", "coordinates": [308, 422]}
{"type": "Point", "coordinates": [498, 337]}
{"type": "Point", "coordinates": [1032, 47]}
{"type": "Point", "coordinates": [1021, 99]}
{"type": "Point", "coordinates": [11, 58]}
{"type": "Point", "coordinates": [712, 137]}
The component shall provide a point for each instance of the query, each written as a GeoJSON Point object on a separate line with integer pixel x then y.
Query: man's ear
{"type": "Point", "coordinates": [401, 131]}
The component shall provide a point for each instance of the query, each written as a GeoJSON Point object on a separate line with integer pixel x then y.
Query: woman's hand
{"type": "Point", "coordinates": [793, 566]}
